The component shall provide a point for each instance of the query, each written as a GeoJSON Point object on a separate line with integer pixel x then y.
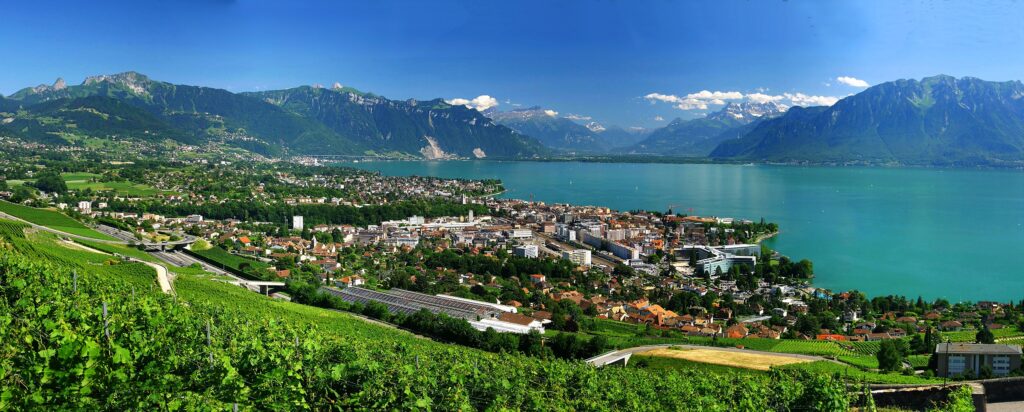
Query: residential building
{"type": "Point", "coordinates": [529, 251]}
{"type": "Point", "coordinates": [579, 257]}
{"type": "Point", "coordinates": [956, 359]}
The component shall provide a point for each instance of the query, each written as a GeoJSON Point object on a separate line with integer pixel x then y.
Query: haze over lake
{"type": "Point", "coordinates": [950, 233]}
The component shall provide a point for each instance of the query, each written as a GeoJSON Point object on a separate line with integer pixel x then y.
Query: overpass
{"type": "Point", "coordinates": [264, 287]}
{"type": "Point", "coordinates": [129, 238]}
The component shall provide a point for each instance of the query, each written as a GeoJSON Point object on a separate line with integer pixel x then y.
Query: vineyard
{"type": "Point", "coordinates": [51, 219]}
{"type": "Point", "coordinates": [78, 334]}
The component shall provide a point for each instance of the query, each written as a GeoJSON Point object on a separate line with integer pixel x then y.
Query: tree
{"type": "Point", "coordinates": [985, 336]}
{"type": "Point", "coordinates": [51, 182]}
{"type": "Point", "coordinates": [23, 193]}
{"type": "Point", "coordinates": [890, 355]}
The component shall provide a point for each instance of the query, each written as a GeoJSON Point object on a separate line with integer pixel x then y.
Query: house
{"type": "Point", "coordinates": [736, 331]}
{"type": "Point", "coordinates": [956, 359]}
{"type": "Point", "coordinates": [951, 325]}
{"type": "Point", "coordinates": [350, 281]}
{"type": "Point", "coordinates": [537, 278]}
{"type": "Point", "coordinates": [521, 320]}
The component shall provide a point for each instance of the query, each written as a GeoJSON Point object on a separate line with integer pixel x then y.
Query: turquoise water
{"type": "Point", "coordinates": [956, 234]}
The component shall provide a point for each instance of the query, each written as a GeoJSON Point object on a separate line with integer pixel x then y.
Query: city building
{"type": "Point", "coordinates": [956, 359]}
{"type": "Point", "coordinates": [579, 257]}
{"type": "Point", "coordinates": [529, 251]}
{"type": "Point", "coordinates": [297, 223]}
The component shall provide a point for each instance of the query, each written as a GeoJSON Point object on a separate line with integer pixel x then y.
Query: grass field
{"type": "Point", "coordinates": [734, 359]}
{"type": "Point", "coordinates": [664, 363]}
{"type": "Point", "coordinates": [225, 259]}
{"type": "Point", "coordinates": [51, 219]}
{"type": "Point", "coordinates": [918, 361]}
{"type": "Point", "coordinates": [84, 180]}
{"type": "Point", "coordinates": [862, 361]}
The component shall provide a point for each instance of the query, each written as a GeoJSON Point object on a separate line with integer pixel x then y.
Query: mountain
{"type": "Point", "coordinates": [55, 121]}
{"type": "Point", "coordinates": [562, 133]}
{"type": "Point", "coordinates": [615, 137]}
{"type": "Point", "coordinates": [300, 120]}
{"type": "Point", "coordinates": [432, 129]}
{"type": "Point", "coordinates": [938, 120]}
{"type": "Point", "coordinates": [200, 112]}
{"type": "Point", "coordinates": [698, 137]}
{"type": "Point", "coordinates": [551, 130]}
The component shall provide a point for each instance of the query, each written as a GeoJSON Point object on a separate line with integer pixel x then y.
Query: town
{"type": "Point", "coordinates": [449, 246]}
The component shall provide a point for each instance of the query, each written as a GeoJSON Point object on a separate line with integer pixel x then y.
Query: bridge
{"type": "Point", "coordinates": [129, 238]}
{"type": "Point", "coordinates": [614, 357]}
{"type": "Point", "coordinates": [265, 288]}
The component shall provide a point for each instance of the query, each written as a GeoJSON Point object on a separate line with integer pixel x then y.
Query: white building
{"type": "Point", "coordinates": [579, 257]}
{"type": "Point", "coordinates": [85, 206]}
{"type": "Point", "coordinates": [521, 234]}
{"type": "Point", "coordinates": [530, 251]}
{"type": "Point", "coordinates": [297, 223]}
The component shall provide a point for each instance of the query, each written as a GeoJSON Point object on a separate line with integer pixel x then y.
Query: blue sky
{"type": "Point", "coordinates": [595, 59]}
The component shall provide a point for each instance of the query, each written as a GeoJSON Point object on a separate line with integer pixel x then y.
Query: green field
{"type": "Point", "coordinates": [84, 180]}
{"type": "Point", "coordinates": [227, 260]}
{"type": "Point", "coordinates": [52, 219]}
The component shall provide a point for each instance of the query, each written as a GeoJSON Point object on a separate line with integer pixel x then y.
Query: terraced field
{"type": "Point", "coordinates": [52, 219]}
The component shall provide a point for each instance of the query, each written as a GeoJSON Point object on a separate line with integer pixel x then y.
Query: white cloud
{"type": "Point", "coordinates": [480, 103]}
{"type": "Point", "coordinates": [659, 119]}
{"type": "Point", "coordinates": [667, 98]}
{"type": "Point", "coordinates": [800, 99]}
{"type": "Point", "coordinates": [550, 112]}
{"type": "Point", "coordinates": [763, 98]}
{"type": "Point", "coordinates": [852, 81]}
{"type": "Point", "coordinates": [703, 99]}
{"type": "Point", "coordinates": [577, 117]}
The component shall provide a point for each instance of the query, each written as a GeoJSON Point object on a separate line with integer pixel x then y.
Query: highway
{"type": "Point", "coordinates": [181, 259]}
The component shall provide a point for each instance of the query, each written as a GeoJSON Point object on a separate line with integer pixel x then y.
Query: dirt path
{"type": "Point", "coordinates": [162, 276]}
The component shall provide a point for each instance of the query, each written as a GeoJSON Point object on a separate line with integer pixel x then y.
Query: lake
{"type": "Point", "coordinates": [956, 234]}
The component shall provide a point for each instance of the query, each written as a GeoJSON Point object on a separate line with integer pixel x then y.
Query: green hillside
{"type": "Point", "coordinates": [51, 219]}
{"type": "Point", "coordinates": [215, 345]}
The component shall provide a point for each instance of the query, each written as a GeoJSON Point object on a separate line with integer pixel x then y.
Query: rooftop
{"type": "Point", "coordinates": [977, 349]}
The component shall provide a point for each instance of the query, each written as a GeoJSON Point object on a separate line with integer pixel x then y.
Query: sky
{"type": "Point", "coordinates": [628, 63]}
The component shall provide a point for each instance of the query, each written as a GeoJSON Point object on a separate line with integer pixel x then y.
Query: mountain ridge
{"type": "Point", "coordinates": [936, 120]}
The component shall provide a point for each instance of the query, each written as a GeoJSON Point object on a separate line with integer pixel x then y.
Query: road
{"type": "Point", "coordinates": [122, 237]}
{"type": "Point", "coordinates": [181, 259]}
{"type": "Point", "coordinates": [601, 360]}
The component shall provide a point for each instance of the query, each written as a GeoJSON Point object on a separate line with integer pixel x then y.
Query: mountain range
{"type": "Point", "coordinates": [302, 120]}
{"type": "Point", "coordinates": [939, 120]}
{"type": "Point", "coordinates": [698, 137]}
{"type": "Point", "coordinates": [565, 134]}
